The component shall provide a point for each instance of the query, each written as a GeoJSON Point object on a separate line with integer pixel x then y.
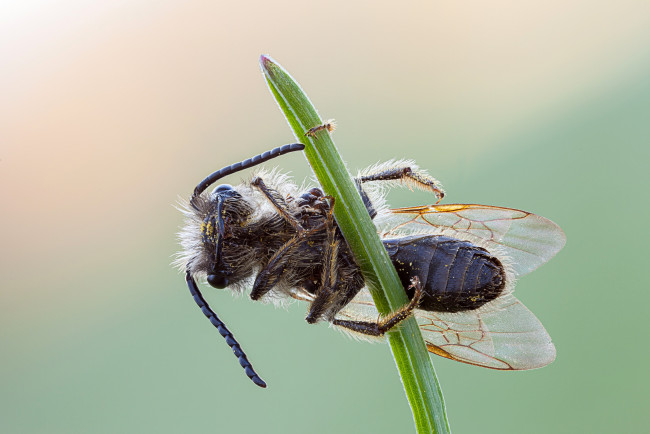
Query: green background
{"type": "Point", "coordinates": [112, 112]}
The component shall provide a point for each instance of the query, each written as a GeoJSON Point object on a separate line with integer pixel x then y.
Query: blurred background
{"type": "Point", "coordinates": [111, 111]}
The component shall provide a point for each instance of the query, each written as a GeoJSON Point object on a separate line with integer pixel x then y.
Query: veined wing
{"type": "Point", "coordinates": [506, 337]}
{"type": "Point", "coordinates": [502, 335]}
{"type": "Point", "coordinates": [528, 239]}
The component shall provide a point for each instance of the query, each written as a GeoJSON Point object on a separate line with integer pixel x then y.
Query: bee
{"type": "Point", "coordinates": [458, 263]}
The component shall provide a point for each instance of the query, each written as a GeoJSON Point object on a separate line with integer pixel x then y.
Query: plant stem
{"type": "Point", "coordinates": [410, 354]}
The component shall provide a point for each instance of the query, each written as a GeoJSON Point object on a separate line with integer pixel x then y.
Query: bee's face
{"type": "Point", "coordinates": [224, 217]}
{"type": "Point", "coordinates": [227, 205]}
{"type": "Point", "coordinates": [212, 243]}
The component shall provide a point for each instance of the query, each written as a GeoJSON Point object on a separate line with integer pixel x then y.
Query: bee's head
{"type": "Point", "coordinates": [226, 207]}
{"type": "Point", "coordinates": [203, 249]}
{"type": "Point", "coordinates": [210, 237]}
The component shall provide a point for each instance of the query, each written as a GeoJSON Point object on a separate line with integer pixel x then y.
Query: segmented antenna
{"type": "Point", "coordinates": [258, 159]}
{"type": "Point", "coordinates": [223, 330]}
{"type": "Point", "coordinates": [191, 283]}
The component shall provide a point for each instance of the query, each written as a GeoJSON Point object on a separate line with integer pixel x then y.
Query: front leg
{"type": "Point", "coordinates": [272, 272]}
{"type": "Point", "coordinates": [278, 203]}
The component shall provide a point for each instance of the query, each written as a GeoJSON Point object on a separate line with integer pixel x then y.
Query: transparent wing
{"type": "Point", "coordinates": [507, 337]}
{"type": "Point", "coordinates": [502, 335]}
{"type": "Point", "coordinates": [528, 239]}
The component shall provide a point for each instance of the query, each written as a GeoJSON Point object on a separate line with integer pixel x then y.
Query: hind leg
{"type": "Point", "coordinates": [381, 326]}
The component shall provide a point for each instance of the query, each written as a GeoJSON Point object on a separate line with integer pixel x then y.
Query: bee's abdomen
{"type": "Point", "coordinates": [457, 275]}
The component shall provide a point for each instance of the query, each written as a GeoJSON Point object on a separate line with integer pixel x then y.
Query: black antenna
{"type": "Point", "coordinates": [223, 330]}
{"type": "Point", "coordinates": [191, 283]}
{"type": "Point", "coordinates": [254, 161]}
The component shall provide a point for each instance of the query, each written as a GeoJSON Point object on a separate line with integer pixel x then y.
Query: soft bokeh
{"type": "Point", "coordinates": [109, 111]}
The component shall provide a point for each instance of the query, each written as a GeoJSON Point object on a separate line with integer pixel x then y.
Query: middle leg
{"type": "Point", "coordinates": [329, 276]}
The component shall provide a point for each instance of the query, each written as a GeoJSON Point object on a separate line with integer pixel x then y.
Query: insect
{"type": "Point", "coordinates": [330, 126]}
{"type": "Point", "coordinates": [458, 263]}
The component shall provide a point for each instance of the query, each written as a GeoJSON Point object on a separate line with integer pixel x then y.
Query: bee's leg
{"type": "Point", "coordinates": [272, 272]}
{"type": "Point", "coordinates": [366, 199]}
{"type": "Point", "coordinates": [330, 276]}
{"type": "Point", "coordinates": [278, 202]}
{"type": "Point", "coordinates": [411, 175]}
{"type": "Point", "coordinates": [383, 325]}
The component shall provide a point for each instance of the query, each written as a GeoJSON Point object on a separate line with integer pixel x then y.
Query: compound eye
{"type": "Point", "coordinates": [218, 281]}
{"type": "Point", "coordinates": [223, 187]}
{"type": "Point", "coordinates": [316, 192]}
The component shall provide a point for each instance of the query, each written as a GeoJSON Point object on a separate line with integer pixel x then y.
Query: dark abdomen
{"type": "Point", "coordinates": [457, 275]}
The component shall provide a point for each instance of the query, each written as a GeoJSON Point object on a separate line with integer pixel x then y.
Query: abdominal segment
{"type": "Point", "coordinates": [457, 275]}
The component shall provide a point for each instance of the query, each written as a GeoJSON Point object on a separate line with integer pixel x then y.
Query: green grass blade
{"type": "Point", "coordinates": [412, 359]}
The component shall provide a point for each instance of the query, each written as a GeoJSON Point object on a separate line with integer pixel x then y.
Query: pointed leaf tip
{"type": "Point", "coordinates": [266, 62]}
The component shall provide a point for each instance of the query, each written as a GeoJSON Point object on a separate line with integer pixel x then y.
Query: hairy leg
{"type": "Point", "coordinates": [329, 276]}
{"type": "Point", "coordinates": [411, 176]}
{"type": "Point", "coordinates": [278, 203]}
{"type": "Point", "coordinates": [382, 325]}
